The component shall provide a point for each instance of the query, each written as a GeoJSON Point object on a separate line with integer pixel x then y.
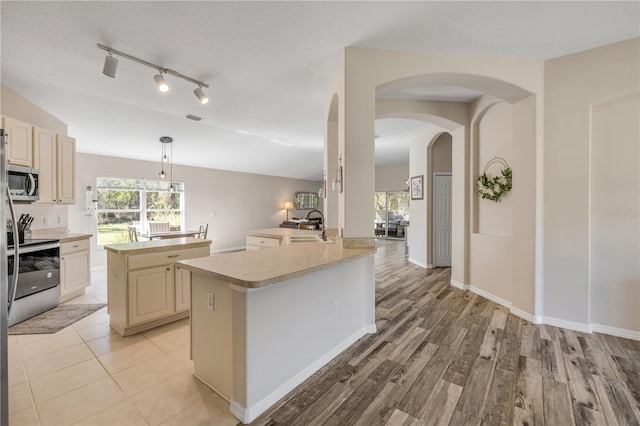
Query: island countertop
{"type": "Point", "coordinates": [152, 246]}
{"type": "Point", "coordinates": [262, 268]}
{"type": "Point", "coordinates": [280, 233]}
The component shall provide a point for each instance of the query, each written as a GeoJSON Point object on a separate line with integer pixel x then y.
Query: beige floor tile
{"type": "Point", "coordinates": [20, 397]}
{"type": "Point", "coordinates": [173, 339]}
{"type": "Point", "coordinates": [165, 329]}
{"type": "Point", "coordinates": [67, 379]}
{"type": "Point", "coordinates": [83, 299]}
{"type": "Point", "coordinates": [98, 317]}
{"type": "Point", "coordinates": [113, 342]}
{"type": "Point", "coordinates": [23, 339]}
{"type": "Point", "coordinates": [213, 411]}
{"type": "Point", "coordinates": [27, 417]}
{"type": "Point", "coordinates": [51, 344]}
{"type": "Point", "coordinates": [57, 360]}
{"type": "Point", "coordinates": [123, 413]}
{"type": "Point", "coordinates": [183, 355]}
{"type": "Point", "coordinates": [81, 403]}
{"type": "Point", "coordinates": [171, 397]}
{"type": "Point", "coordinates": [95, 331]}
{"type": "Point", "coordinates": [16, 372]}
{"type": "Point", "coordinates": [144, 376]}
{"type": "Point", "coordinates": [130, 356]}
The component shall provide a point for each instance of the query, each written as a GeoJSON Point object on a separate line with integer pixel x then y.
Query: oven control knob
{"type": "Point", "coordinates": [49, 274]}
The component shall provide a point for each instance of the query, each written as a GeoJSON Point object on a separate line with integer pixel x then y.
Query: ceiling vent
{"type": "Point", "coordinates": [193, 117]}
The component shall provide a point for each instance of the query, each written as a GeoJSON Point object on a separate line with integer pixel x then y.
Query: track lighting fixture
{"type": "Point", "coordinates": [161, 83]}
{"type": "Point", "coordinates": [201, 96]}
{"type": "Point", "coordinates": [111, 64]}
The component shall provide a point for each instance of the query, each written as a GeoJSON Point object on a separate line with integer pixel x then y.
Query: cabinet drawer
{"type": "Point", "coordinates": [262, 241]}
{"type": "Point", "coordinates": [74, 246]}
{"type": "Point", "coordinates": [138, 261]}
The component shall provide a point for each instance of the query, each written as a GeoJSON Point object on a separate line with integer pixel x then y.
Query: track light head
{"type": "Point", "coordinates": [110, 66]}
{"type": "Point", "coordinates": [201, 96]}
{"type": "Point", "coordinates": [161, 83]}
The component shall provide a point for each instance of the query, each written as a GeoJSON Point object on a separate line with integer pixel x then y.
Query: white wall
{"type": "Point", "coordinates": [588, 137]}
{"type": "Point", "coordinates": [241, 201]}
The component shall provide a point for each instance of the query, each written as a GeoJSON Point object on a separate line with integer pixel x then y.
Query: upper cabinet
{"type": "Point", "coordinates": [19, 149]}
{"type": "Point", "coordinates": [66, 170]}
{"type": "Point", "coordinates": [55, 158]}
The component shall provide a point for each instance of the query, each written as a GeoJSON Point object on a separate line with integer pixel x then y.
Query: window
{"type": "Point", "coordinates": [124, 202]}
{"type": "Point", "coordinates": [392, 214]}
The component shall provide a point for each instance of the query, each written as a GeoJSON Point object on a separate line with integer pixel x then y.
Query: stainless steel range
{"type": "Point", "coordinates": [38, 283]}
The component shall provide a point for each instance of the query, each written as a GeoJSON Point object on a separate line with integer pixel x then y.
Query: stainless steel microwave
{"type": "Point", "coordinates": [23, 183]}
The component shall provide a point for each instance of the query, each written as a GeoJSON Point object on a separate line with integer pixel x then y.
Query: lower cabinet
{"type": "Point", "coordinates": [75, 269]}
{"type": "Point", "coordinates": [259, 243]}
{"type": "Point", "coordinates": [147, 290]}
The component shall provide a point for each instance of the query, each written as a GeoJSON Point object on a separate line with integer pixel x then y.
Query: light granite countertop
{"type": "Point", "coordinates": [261, 268]}
{"type": "Point", "coordinates": [59, 234]}
{"type": "Point", "coordinates": [153, 246]}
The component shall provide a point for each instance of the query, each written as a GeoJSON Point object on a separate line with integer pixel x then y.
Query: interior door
{"type": "Point", "coordinates": [441, 219]}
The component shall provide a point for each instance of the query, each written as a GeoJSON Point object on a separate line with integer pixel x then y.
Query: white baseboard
{"type": "Point", "coordinates": [459, 285]}
{"type": "Point", "coordinates": [420, 264]}
{"type": "Point", "coordinates": [526, 315]}
{"type": "Point", "coordinates": [492, 297]}
{"type": "Point", "coordinates": [247, 415]}
{"type": "Point", "coordinates": [571, 325]}
{"type": "Point", "coordinates": [615, 331]}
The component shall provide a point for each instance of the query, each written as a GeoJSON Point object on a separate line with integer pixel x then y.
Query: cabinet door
{"type": "Point", "coordinates": [150, 293]}
{"type": "Point", "coordinates": [45, 160]}
{"type": "Point", "coordinates": [66, 170]}
{"type": "Point", "coordinates": [74, 272]}
{"type": "Point", "coordinates": [183, 289]}
{"type": "Point", "coordinates": [20, 142]}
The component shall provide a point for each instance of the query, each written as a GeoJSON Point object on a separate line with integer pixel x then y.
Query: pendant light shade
{"type": "Point", "coordinates": [161, 83]}
{"type": "Point", "coordinates": [201, 96]}
{"type": "Point", "coordinates": [110, 66]}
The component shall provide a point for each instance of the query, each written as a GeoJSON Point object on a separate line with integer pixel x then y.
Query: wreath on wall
{"type": "Point", "coordinates": [493, 188]}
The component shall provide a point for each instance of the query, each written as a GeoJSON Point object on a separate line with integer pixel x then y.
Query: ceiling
{"type": "Point", "coordinates": [269, 65]}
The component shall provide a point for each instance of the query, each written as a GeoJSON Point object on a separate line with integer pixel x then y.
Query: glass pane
{"type": "Point", "coordinates": [381, 214]}
{"type": "Point", "coordinates": [109, 199]}
{"type": "Point", "coordinates": [174, 218]}
{"type": "Point", "coordinates": [397, 214]}
{"type": "Point", "coordinates": [163, 185]}
{"type": "Point", "coordinates": [163, 200]}
{"type": "Point", "coordinates": [112, 226]}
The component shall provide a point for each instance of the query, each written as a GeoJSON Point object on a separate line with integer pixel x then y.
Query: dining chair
{"type": "Point", "coordinates": [202, 231]}
{"type": "Point", "coordinates": [159, 227]}
{"type": "Point", "coordinates": [133, 234]}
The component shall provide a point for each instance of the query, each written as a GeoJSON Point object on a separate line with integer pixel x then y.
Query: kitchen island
{"type": "Point", "coordinates": [145, 286]}
{"type": "Point", "coordinates": [263, 321]}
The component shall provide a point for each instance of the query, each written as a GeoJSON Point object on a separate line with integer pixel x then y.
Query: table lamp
{"type": "Point", "coordinates": [288, 205]}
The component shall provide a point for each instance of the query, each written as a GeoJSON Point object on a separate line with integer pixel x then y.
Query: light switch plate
{"type": "Point", "coordinates": [210, 302]}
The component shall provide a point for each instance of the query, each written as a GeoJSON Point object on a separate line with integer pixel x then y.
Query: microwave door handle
{"type": "Point", "coordinates": [16, 257]}
{"type": "Point", "coordinates": [31, 187]}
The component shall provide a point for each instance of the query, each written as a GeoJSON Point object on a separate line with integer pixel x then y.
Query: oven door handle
{"type": "Point", "coordinates": [34, 248]}
{"type": "Point", "coordinates": [16, 253]}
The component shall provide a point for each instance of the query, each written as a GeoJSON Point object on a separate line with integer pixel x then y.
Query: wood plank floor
{"type": "Point", "coordinates": [443, 356]}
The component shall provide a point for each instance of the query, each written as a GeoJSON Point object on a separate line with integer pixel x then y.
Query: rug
{"type": "Point", "coordinates": [55, 319]}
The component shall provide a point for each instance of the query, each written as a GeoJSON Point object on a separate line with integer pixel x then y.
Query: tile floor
{"type": "Point", "coordinates": [87, 374]}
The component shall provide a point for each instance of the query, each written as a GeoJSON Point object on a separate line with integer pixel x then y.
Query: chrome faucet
{"type": "Point", "coordinates": [324, 228]}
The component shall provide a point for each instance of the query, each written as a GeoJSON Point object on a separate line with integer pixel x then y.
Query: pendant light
{"type": "Point", "coordinates": [164, 140]}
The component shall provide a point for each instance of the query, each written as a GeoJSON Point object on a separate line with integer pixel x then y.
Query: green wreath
{"type": "Point", "coordinates": [494, 188]}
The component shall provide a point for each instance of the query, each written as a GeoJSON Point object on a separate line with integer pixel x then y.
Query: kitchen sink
{"type": "Point", "coordinates": [293, 239]}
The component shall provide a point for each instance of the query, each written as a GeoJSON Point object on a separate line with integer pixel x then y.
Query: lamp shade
{"type": "Point", "coordinates": [288, 205]}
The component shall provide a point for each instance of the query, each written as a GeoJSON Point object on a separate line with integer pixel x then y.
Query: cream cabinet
{"type": "Point", "coordinates": [145, 287]}
{"type": "Point", "coordinates": [258, 243]}
{"type": "Point", "coordinates": [75, 268]}
{"type": "Point", "coordinates": [54, 157]}
{"type": "Point", "coordinates": [19, 149]}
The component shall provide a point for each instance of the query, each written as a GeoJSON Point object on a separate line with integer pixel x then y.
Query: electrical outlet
{"type": "Point", "coordinates": [45, 220]}
{"type": "Point", "coordinates": [210, 302]}
{"type": "Point", "coordinates": [335, 307]}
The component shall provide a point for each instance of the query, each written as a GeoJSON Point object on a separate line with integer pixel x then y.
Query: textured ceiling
{"type": "Point", "coordinates": [269, 65]}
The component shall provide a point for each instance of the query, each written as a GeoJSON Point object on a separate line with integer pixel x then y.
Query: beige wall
{"type": "Point", "coordinates": [577, 89]}
{"type": "Point", "coordinates": [391, 178]}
